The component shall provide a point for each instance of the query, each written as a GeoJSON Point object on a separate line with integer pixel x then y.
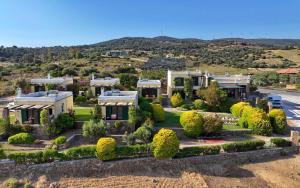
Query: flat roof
{"type": "Point", "coordinates": [43, 96]}
{"type": "Point", "coordinates": [52, 80]}
{"type": "Point", "coordinates": [108, 81]}
{"type": "Point", "coordinates": [145, 83]}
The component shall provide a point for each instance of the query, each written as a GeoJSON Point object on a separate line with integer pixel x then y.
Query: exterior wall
{"type": "Point", "coordinates": [184, 74]}
{"type": "Point", "coordinates": [93, 88]}
{"type": "Point", "coordinates": [68, 104]}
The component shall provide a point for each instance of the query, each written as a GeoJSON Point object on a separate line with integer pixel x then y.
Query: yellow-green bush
{"type": "Point", "coordinates": [258, 121]}
{"type": "Point", "coordinates": [176, 100]}
{"type": "Point", "coordinates": [278, 120]}
{"type": "Point", "coordinates": [237, 109]}
{"type": "Point", "coordinates": [192, 123]}
{"type": "Point", "coordinates": [106, 148]}
{"type": "Point", "coordinates": [158, 113]}
{"type": "Point", "coordinates": [165, 144]}
{"type": "Point", "coordinates": [247, 110]}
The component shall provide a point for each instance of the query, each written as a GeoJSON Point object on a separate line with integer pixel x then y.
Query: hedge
{"type": "Point", "coordinates": [280, 142]}
{"type": "Point", "coordinates": [192, 123]}
{"type": "Point", "coordinates": [195, 151]}
{"type": "Point", "coordinates": [81, 152]}
{"type": "Point", "coordinates": [158, 113]}
{"type": "Point", "coordinates": [132, 151]}
{"type": "Point", "coordinates": [237, 109]}
{"type": "Point", "coordinates": [21, 138]}
{"type": "Point", "coordinates": [37, 157]}
{"type": "Point", "coordinates": [106, 148]}
{"type": "Point", "coordinates": [165, 144]}
{"type": "Point", "coordinates": [278, 120]}
{"type": "Point", "coordinates": [243, 146]}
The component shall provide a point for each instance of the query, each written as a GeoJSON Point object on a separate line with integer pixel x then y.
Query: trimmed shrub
{"type": "Point", "coordinates": [81, 152]}
{"type": "Point", "coordinates": [132, 151]}
{"type": "Point", "coordinates": [201, 150]}
{"type": "Point", "coordinates": [44, 117]}
{"type": "Point", "coordinates": [81, 99]}
{"type": "Point", "coordinates": [198, 104]}
{"type": "Point", "coordinates": [237, 109]}
{"type": "Point", "coordinates": [176, 100]}
{"type": "Point", "coordinates": [212, 124]}
{"type": "Point", "coordinates": [278, 120]}
{"type": "Point", "coordinates": [165, 144]}
{"type": "Point", "coordinates": [21, 138]}
{"type": "Point", "coordinates": [144, 134]}
{"type": "Point", "coordinates": [280, 142]}
{"type": "Point", "coordinates": [258, 121]}
{"type": "Point", "coordinates": [247, 110]}
{"type": "Point", "coordinates": [106, 148]}
{"type": "Point", "coordinates": [60, 140]}
{"type": "Point", "coordinates": [132, 116]}
{"type": "Point", "coordinates": [192, 123]}
{"type": "Point", "coordinates": [145, 105]}
{"type": "Point", "coordinates": [128, 138]}
{"type": "Point", "coordinates": [243, 146]}
{"type": "Point", "coordinates": [158, 113]}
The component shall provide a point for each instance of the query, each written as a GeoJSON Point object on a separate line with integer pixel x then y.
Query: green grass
{"type": "Point", "coordinates": [232, 127]}
{"type": "Point", "coordinates": [171, 120]}
{"type": "Point", "coordinates": [83, 113]}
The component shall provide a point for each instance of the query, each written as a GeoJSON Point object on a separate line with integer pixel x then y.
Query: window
{"type": "Point", "coordinates": [62, 107]}
{"type": "Point", "coordinates": [179, 81]}
{"type": "Point", "coordinates": [195, 81]}
{"type": "Point", "coordinates": [116, 112]}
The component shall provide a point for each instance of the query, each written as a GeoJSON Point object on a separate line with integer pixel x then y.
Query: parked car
{"type": "Point", "coordinates": [276, 101]}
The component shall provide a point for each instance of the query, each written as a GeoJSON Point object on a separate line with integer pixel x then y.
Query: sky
{"type": "Point", "coordinates": [36, 23]}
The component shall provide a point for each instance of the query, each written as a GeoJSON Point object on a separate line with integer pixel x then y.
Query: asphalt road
{"type": "Point", "coordinates": [291, 105]}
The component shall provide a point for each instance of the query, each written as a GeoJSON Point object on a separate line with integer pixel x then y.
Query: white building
{"type": "Point", "coordinates": [102, 84]}
{"type": "Point", "coordinates": [60, 83]}
{"type": "Point", "coordinates": [149, 88]}
{"type": "Point", "coordinates": [28, 106]}
{"type": "Point", "coordinates": [237, 86]}
{"type": "Point", "coordinates": [176, 81]}
{"type": "Point", "coordinates": [115, 104]}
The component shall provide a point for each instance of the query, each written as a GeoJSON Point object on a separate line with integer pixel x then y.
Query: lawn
{"type": "Point", "coordinates": [171, 120]}
{"type": "Point", "coordinates": [232, 128]}
{"type": "Point", "coordinates": [83, 113]}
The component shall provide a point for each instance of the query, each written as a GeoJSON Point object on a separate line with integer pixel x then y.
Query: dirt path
{"type": "Point", "coordinates": [279, 173]}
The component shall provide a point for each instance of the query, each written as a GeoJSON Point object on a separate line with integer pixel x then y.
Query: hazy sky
{"type": "Point", "coordinates": [72, 22]}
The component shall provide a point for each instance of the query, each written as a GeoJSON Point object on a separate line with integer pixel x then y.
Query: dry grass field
{"type": "Point", "coordinates": [280, 173]}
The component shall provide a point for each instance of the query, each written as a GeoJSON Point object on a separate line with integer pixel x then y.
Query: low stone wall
{"type": "Point", "coordinates": [214, 165]}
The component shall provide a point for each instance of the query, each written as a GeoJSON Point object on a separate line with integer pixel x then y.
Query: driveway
{"type": "Point", "coordinates": [291, 105]}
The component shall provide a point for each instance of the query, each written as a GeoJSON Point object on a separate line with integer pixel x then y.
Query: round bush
{"type": "Point", "coordinates": [165, 144]}
{"type": "Point", "coordinates": [278, 120]}
{"type": "Point", "coordinates": [237, 109]}
{"type": "Point", "coordinates": [145, 106]}
{"type": "Point", "coordinates": [212, 124]}
{"type": "Point", "coordinates": [158, 113]}
{"type": "Point", "coordinates": [21, 138]}
{"type": "Point", "coordinates": [247, 110]}
{"type": "Point", "coordinates": [192, 123]}
{"type": "Point", "coordinates": [198, 104]}
{"type": "Point", "coordinates": [60, 140]}
{"type": "Point", "coordinates": [106, 148]}
{"type": "Point", "coordinates": [258, 121]}
{"type": "Point", "coordinates": [176, 100]}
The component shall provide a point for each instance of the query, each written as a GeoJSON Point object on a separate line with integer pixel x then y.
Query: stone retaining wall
{"type": "Point", "coordinates": [213, 164]}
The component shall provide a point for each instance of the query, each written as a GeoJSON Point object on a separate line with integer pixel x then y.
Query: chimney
{"type": "Point", "coordinates": [49, 76]}
{"type": "Point", "coordinates": [19, 92]}
{"type": "Point", "coordinates": [102, 91]}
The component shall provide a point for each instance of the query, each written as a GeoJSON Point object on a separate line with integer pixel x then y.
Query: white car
{"type": "Point", "coordinates": [275, 100]}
